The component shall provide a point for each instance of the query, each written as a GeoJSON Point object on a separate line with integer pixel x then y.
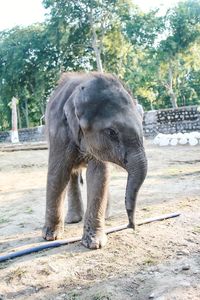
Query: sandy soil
{"type": "Point", "coordinates": [158, 261]}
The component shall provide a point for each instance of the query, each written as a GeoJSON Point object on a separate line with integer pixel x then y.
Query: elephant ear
{"type": "Point", "coordinates": [72, 119]}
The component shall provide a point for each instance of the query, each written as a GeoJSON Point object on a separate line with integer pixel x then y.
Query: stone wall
{"type": "Point", "coordinates": [184, 119]}
{"type": "Point", "coordinates": [36, 134]}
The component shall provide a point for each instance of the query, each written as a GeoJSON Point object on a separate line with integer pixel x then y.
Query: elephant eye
{"type": "Point", "coordinates": [111, 133]}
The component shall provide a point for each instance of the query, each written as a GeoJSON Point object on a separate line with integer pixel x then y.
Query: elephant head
{"type": "Point", "coordinates": [105, 124]}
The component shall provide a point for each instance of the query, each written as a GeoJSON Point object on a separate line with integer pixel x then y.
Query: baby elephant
{"type": "Point", "coordinates": [91, 120]}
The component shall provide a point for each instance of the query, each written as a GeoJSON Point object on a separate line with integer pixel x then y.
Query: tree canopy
{"type": "Point", "coordinates": [157, 56]}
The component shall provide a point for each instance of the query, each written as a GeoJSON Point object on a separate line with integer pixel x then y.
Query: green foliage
{"type": "Point", "coordinates": [157, 56]}
{"type": "Point", "coordinates": [27, 71]}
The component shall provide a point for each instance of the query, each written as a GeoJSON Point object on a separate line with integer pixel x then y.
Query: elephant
{"type": "Point", "coordinates": [91, 120]}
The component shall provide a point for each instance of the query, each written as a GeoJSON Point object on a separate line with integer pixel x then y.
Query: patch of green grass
{"type": "Point", "coordinates": [100, 296]}
{"type": "Point", "coordinates": [4, 265]}
{"type": "Point", "coordinates": [146, 208]}
{"type": "Point", "coordinates": [149, 261]}
{"type": "Point", "coordinates": [72, 296]}
{"type": "Point", "coordinates": [147, 212]}
{"type": "Point", "coordinates": [172, 172]}
{"type": "Point", "coordinates": [4, 220]}
{"type": "Point", "coordinates": [15, 274]}
{"type": "Point", "coordinates": [29, 210]}
{"type": "Point", "coordinates": [45, 271]}
{"type": "Point", "coordinates": [196, 229]}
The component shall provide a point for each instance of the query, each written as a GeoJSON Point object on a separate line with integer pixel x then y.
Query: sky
{"type": "Point", "coordinates": [162, 4]}
{"type": "Point", "coordinates": [26, 12]}
{"type": "Point", "coordinates": [20, 12]}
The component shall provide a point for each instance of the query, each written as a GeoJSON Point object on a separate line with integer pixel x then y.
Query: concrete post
{"type": "Point", "coordinates": [14, 132]}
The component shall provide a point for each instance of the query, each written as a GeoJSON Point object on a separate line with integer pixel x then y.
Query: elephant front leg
{"type": "Point", "coordinates": [94, 236]}
{"type": "Point", "coordinates": [59, 170]}
{"type": "Point", "coordinates": [75, 204]}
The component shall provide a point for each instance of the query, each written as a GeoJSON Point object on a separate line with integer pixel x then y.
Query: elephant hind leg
{"type": "Point", "coordinates": [75, 204]}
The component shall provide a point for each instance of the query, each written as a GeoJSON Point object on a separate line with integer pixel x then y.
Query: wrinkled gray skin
{"type": "Point", "coordinates": [91, 120]}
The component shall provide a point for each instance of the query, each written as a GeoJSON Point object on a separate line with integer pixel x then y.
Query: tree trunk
{"type": "Point", "coordinates": [97, 49]}
{"type": "Point", "coordinates": [97, 52]}
{"type": "Point", "coordinates": [26, 113]}
{"type": "Point", "coordinates": [171, 93]}
{"type": "Point", "coordinates": [19, 117]}
{"type": "Point", "coordinates": [14, 114]}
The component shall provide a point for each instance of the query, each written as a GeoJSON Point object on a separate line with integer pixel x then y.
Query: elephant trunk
{"type": "Point", "coordinates": [136, 167]}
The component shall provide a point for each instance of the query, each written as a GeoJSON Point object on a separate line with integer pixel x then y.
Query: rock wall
{"type": "Point", "coordinates": [36, 134]}
{"type": "Point", "coordinates": [184, 119]}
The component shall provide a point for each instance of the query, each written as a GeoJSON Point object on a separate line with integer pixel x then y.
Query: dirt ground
{"type": "Point", "coordinates": [160, 260]}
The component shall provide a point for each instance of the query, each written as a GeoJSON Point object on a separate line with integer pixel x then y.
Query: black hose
{"type": "Point", "coordinates": [41, 247]}
{"type": "Point", "coordinates": [59, 243]}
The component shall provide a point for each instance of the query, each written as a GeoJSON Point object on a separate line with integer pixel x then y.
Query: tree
{"type": "Point", "coordinates": [157, 57]}
{"type": "Point", "coordinates": [85, 23]}
{"type": "Point", "coordinates": [27, 71]}
{"type": "Point", "coordinates": [142, 31]}
{"type": "Point", "coordinates": [183, 26]}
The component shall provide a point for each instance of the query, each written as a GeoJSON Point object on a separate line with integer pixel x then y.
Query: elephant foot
{"type": "Point", "coordinates": [94, 240]}
{"type": "Point", "coordinates": [74, 217]}
{"type": "Point", "coordinates": [50, 234]}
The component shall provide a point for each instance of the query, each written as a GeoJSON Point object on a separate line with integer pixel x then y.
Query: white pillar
{"type": "Point", "coordinates": [14, 132]}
